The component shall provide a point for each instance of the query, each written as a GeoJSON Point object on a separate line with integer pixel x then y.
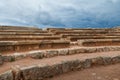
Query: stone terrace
{"type": "Point", "coordinates": [30, 53]}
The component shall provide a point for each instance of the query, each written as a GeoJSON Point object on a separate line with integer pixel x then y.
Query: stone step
{"type": "Point", "coordinates": [32, 69]}
{"type": "Point", "coordinates": [80, 35]}
{"type": "Point", "coordinates": [25, 31]}
{"type": "Point", "coordinates": [76, 29]}
{"type": "Point", "coordinates": [20, 46]}
{"type": "Point", "coordinates": [49, 53]}
{"type": "Point", "coordinates": [19, 38]}
{"type": "Point", "coordinates": [24, 34]}
{"type": "Point", "coordinates": [75, 38]}
{"type": "Point", "coordinates": [78, 32]}
{"type": "Point", "coordinates": [99, 42]}
{"type": "Point", "coordinates": [3, 27]}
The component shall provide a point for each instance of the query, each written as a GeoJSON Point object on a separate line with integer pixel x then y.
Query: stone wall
{"type": "Point", "coordinates": [99, 42]}
{"type": "Point", "coordinates": [20, 46]}
{"type": "Point", "coordinates": [24, 34]}
{"type": "Point", "coordinates": [41, 71]}
{"type": "Point", "coordinates": [75, 38]}
{"type": "Point", "coordinates": [19, 38]}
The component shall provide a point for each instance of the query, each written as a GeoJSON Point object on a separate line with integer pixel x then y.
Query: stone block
{"type": "Point", "coordinates": [55, 69]}
{"type": "Point", "coordinates": [17, 72]}
{"type": "Point", "coordinates": [43, 71]}
{"type": "Point", "coordinates": [97, 61]}
{"type": "Point", "coordinates": [116, 59]}
{"type": "Point", "coordinates": [66, 66]}
{"type": "Point", "coordinates": [51, 53]}
{"type": "Point", "coordinates": [86, 63]}
{"type": "Point", "coordinates": [71, 65]}
{"type": "Point", "coordinates": [6, 76]}
{"type": "Point", "coordinates": [19, 56]}
{"type": "Point", "coordinates": [75, 65]}
{"type": "Point", "coordinates": [30, 73]}
{"type": "Point", "coordinates": [81, 50]}
{"type": "Point", "coordinates": [63, 52]}
{"type": "Point", "coordinates": [1, 60]}
{"type": "Point", "coordinates": [90, 50]}
{"type": "Point", "coordinates": [107, 60]}
{"type": "Point", "coordinates": [36, 55]}
{"type": "Point", "coordinates": [8, 58]}
{"type": "Point", "coordinates": [72, 51]}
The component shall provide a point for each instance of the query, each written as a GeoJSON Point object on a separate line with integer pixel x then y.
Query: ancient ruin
{"type": "Point", "coordinates": [29, 53]}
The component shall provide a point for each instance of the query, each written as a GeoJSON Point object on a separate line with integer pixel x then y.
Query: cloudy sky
{"type": "Point", "coordinates": [60, 13]}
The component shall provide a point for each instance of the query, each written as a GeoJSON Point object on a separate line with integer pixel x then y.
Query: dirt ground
{"type": "Point", "coordinates": [110, 72]}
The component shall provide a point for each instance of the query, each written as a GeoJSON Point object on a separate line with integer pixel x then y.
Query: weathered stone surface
{"type": "Point", "coordinates": [70, 65]}
{"type": "Point", "coordinates": [86, 63]}
{"type": "Point", "coordinates": [6, 76]}
{"type": "Point", "coordinates": [42, 71]}
{"type": "Point", "coordinates": [19, 56]}
{"type": "Point", "coordinates": [51, 53]}
{"type": "Point", "coordinates": [37, 72]}
{"type": "Point", "coordinates": [81, 50]}
{"type": "Point", "coordinates": [97, 61]}
{"type": "Point", "coordinates": [8, 58]}
{"type": "Point", "coordinates": [66, 66]}
{"type": "Point", "coordinates": [63, 52]}
{"type": "Point", "coordinates": [106, 49]}
{"type": "Point", "coordinates": [107, 60]}
{"type": "Point", "coordinates": [116, 59]}
{"type": "Point", "coordinates": [17, 72]}
{"type": "Point", "coordinates": [55, 69]}
{"type": "Point", "coordinates": [78, 50]}
{"type": "Point", "coordinates": [30, 73]}
{"type": "Point", "coordinates": [1, 59]}
{"type": "Point", "coordinates": [100, 41]}
{"type": "Point", "coordinates": [90, 50]}
{"type": "Point", "coordinates": [75, 65]}
{"type": "Point", "coordinates": [36, 55]}
{"type": "Point", "coordinates": [72, 51]}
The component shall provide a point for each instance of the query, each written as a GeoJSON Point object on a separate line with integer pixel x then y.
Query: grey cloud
{"type": "Point", "coordinates": [60, 13]}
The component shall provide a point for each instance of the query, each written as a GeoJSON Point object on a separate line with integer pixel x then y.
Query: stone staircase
{"type": "Point", "coordinates": [36, 54]}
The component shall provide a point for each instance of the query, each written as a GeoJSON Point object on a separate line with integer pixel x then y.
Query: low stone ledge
{"type": "Point", "coordinates": [99, 42]}
{"type": "Point", "coordinates": [19, 38]}
{"type": "Point", "coordinates": [13, 57]}
{"type": "Point", "coordinates": [75, 38]}
{"type": "Point", "coordinates": [42, 71]}
{"type": "Point", "coordinates": [9, 58]}
{"type": "Point", "coordinates": [56, 52]}
{"type": "Point", "coordinates": [21, 46]}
